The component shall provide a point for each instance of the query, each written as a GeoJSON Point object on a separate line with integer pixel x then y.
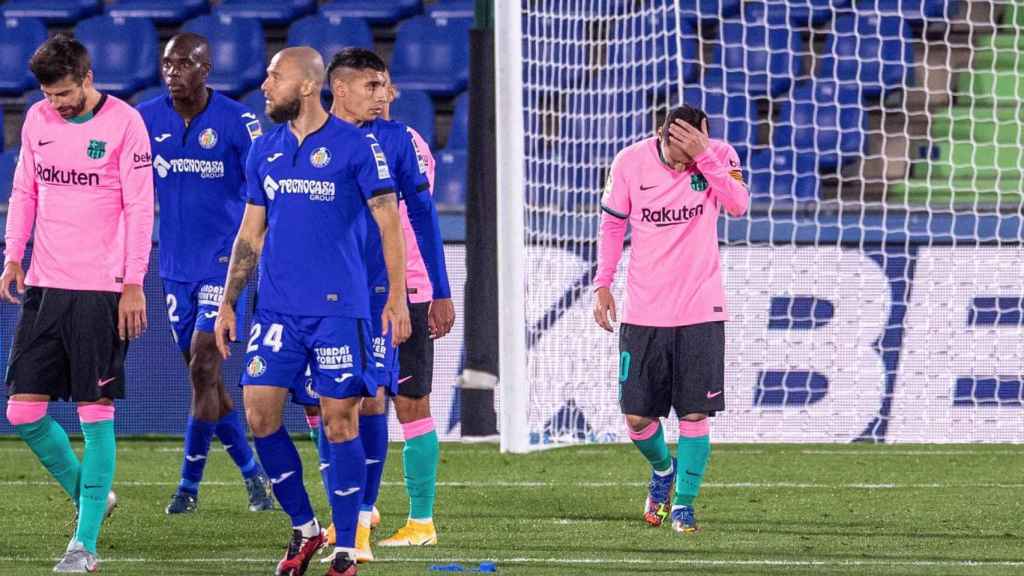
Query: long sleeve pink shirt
{"type": "Point", "coordinates": [88, 190]}
{"type": "Point", "coordinates": [416, 278]}
{"type": "Point", "coordinates": [674, 276]}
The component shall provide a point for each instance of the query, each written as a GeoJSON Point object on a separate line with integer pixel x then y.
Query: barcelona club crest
{"type": "Point", "coordinates": [320, 157]}
{"type": "Point", "coordinates": [96, 150]}
{"type": "Point", "coordinates": [208, 138]}
{"type": "Point", "coordinates": [698, 183]}
{"type": "Point", "coordinates": [257, 367]}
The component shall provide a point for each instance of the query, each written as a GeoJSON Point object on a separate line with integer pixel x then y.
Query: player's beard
{"type": "Point", "coordinates": [286, 111]}
{"type": "Point", "coordinates": [73, 110]}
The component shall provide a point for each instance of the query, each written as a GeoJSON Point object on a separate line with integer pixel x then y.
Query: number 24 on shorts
{"type": "Point", "coordinates": [271, 340]}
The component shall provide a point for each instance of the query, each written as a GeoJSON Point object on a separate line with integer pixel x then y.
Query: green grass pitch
{"type": "Point", "coordinates": [765, 509]}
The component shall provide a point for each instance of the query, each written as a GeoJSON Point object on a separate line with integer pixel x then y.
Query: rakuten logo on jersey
{"type": "Point", "coordinates": [315, 190]}
{"type": "Point", "coordinates": [671, 216]}
{"type": "Point", "coordinates": [204, 168]}
{"type": "Point", "coordinates": [54, 175]}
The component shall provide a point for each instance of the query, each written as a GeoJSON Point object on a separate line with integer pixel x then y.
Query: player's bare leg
{"type": "Point", "coordinates": [263, 409]}
{"type": "Point", "coordinates": [213, 413]}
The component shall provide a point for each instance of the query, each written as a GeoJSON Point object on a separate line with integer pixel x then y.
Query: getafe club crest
{"type": "Point", "coordinates": [320, 157]}
{"type": "Point", "coordinates": [208, 138]}
{"type": "Point", "coordinates": [257, 367]}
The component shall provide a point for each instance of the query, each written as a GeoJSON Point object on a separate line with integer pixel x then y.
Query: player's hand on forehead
{"type": "Point", "coordinates": [688, 139]}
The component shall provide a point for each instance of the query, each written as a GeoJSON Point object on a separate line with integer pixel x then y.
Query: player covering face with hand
{"type": "Point", "coordinates": [670, 190]}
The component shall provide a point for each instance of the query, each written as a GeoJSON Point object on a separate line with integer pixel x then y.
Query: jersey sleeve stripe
{"type": "Point", "coordinates": [382, 192]}
{"type": "Point", "coordinates": [615, 213]}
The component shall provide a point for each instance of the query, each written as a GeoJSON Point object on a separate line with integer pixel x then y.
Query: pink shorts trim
{"type": "Point", "coordinates": [646, 433]}
{"type": "Point", "coordinates": [92, 413]}
{"type": "Point", "coordinates": [688, 429]}
{"type": "Point", "coordinates": [25, 412]}
{"type": "Point", "coordinates": [418, 428]}
{"type": "Point", "coordinates": [313, 421]}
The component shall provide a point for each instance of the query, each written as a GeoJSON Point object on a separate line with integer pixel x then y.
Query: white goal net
{"type": "Point", "coordinates": [875, 287]}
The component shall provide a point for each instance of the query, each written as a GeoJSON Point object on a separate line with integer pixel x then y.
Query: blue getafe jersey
{"type": "Point", "coordinates": [315, 194]}
{"type": "Point", "coordinates": [199, 176]}
{"type": "Point", "coordinates": [410, 179]}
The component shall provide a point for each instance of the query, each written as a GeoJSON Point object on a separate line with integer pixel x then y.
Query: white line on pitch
{"type": "Point", "coordinates": [766, 562]}
{"type": "Point", "coordinates": [542, 484]}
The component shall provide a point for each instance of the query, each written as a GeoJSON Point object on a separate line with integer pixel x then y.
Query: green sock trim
{"type": "Point", "coordinates": [693, 456]}
{"type": "Point", "coordinates": [419, 458]}
{"type": "Point", "coordinates": [655, 450]}
{"type": "Point", "coordinates": [98, 464]}
{"type": "Point", "coordinates": [50, 443]}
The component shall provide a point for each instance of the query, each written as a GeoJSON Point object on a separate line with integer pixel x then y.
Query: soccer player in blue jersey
{"type": "Point", "coordinates": [309, 182]}
{"type": "Point", "coordinates": [359, 84]}
{"type": "Point", "coordinates": [200, 139]}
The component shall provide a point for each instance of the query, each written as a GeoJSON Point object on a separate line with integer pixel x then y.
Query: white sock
{"type": "Point", "coordinates": [365, 518]}
{"type": "Point", "coordinates": [422, 520]}
{"type": "Point", "coordinates": [309, 529]}
{"type": "Point", "coordinates": [664, 473]}
{"type": "Point", "coordinates": [350, 551]}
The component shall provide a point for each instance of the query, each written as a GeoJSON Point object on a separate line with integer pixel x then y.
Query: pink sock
{"type": "Point", "coordinates": [25, 411]}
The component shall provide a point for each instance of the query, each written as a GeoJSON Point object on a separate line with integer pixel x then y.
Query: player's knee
{"type": "Point", "coordinates": [373, 406]}
{"type": "Point", "coordinates": [411, 409]}
{"type": "Point", "coordinates": [204, 369]}
{"type": "Point", "coordinates": [341, 425]}
{"type": "Point", "coordinates": [262, 422]}
{"type": "Point", "coordinates": [638, 423]}
{"type": "Point", "coordinates": [694, 417]}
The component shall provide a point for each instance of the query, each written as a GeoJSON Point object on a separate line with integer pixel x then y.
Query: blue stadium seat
{"type": "Point", "coordinates": [794, 175]}
{"type": "Point", "coordinates": [8, 161]}
{"type": "Point", "coordinates": [52, 11]}
{"type": "Point", "coordinates": [20, 38]}
{"type": "Point", "coordinates": [123, 50]}
{"type": "Point", "coordinates": [159, 11]}
{"type": "Point", "coordinates": [148, 94]}
{"type": "Point", "coordinates": [731, 116]}
{"type": "Point", "coordinates": [450, 185]}
{"type": "Point", "coordinates": [257, 103]}
{"type": "Point", "coordinates": [452, 9]}
{"type": "Point", "coordinates": [600, 120]}
{"type": "Point", "coordinates": [645, 47]}
{"type": "Point", "coordinates": [375, 11]}
{"type": "Point", "coordinates": [759, 167]}
{"type": "Point", "coordinates": [872, 49]}
{"type": "Point", "coordinates": [805, 13]}
{"type": "Point", "coordinates": [711, 10]}
{"type": "Point", "coordinates": [272, 12]}
{"type": "Point", "coordinates": [1, 128]}
{"type": "Point", "coordinates": [913, 10]}
{"type": "Point", "coordinates": [431, 55]}
{"type": "Point", "coordinates": [329, 36]}
{"type": "Point", "coordinates": [758, 60]}
{"type": "Point", "coordinates": [416, 109]}
{"type": "Point", "coordinates": [458, 137]}
{"type": "Point", "coordinates": [826, 119]}
{"type": "Point", "coordinates": [31, 97]}
{"type": "Point", "coordinates": [555, 51]}
{"type": "Point", "coordinates": [239, 57]}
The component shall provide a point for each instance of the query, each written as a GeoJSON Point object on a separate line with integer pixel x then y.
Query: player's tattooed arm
{"type": "Point", "coordinates": [395, 319]}
{"type": "Point", "coordinates": [245, 254]}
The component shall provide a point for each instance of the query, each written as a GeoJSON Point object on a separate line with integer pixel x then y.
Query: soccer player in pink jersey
{"type": "Point", "coordinates": [670, 189]}
{"type": "Point", "coordinates": [85, 181]}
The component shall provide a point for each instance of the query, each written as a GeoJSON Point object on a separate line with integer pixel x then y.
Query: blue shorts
{"type": "Point", "coordinates": [192, 307]}
{"type": "Point", "coordinates": [381, 369]}
{"type": "Point", "coordinates": [281, 347]}
{"type": "Point", "coordinates": [384, 368]}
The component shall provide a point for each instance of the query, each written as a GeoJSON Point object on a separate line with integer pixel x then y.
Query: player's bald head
{"type": "Point", "coordinates": [302, 62]}
{"type": "Point", "coordinates": [189, 45]}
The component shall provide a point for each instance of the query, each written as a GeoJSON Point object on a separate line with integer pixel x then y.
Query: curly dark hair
{"type": "Point", "coordinates": [58, 58]}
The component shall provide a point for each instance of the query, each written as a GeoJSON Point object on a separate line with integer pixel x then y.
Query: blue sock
{"type": "Point", "coordinates": [198, 434]}
{"type": "Point", "coordinates": [348, 475]}
{"type": "Point", "coordinates": [232, 436]}
{"type": "Point", "coordinates": [281, 461]}
{"type": "Point", "coordinates": [323, 448]}
{"type": "Point", "coordinates": [373, 430]}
